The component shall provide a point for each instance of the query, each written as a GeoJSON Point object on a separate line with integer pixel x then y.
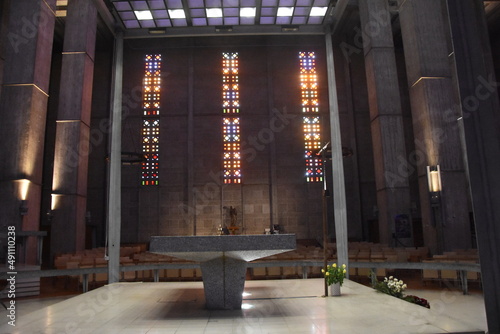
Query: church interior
{"type": "Point", "coordinates": [369, 129]}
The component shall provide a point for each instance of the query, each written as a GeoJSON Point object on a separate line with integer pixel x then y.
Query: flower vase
{"type": "Point", "coordinates": [335, 289]}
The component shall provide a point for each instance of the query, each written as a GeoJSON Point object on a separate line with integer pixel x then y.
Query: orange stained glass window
{"type": "Point", "coordinates": [231, 120]}
{"type": "Point", "coordinates": [151, 121]}
{"type": "Point", "coordinates": [311, 119]}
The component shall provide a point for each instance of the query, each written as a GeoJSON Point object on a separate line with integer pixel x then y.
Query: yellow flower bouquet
{"type": "Point", "coordinates": [334, 273]}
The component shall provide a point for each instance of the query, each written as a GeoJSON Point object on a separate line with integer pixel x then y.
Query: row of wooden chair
{"type": "Point", "coordinates": [360, 252]}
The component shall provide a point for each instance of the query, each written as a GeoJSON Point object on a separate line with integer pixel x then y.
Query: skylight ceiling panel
{"type": "Point", "coordinates": [215, 21]}
{"type": "Point", "coordinates": [174, 4]}
{"type": "Point", "coordinates": [268, 11]}
{"type": "Point", "coordinates": [199, 21]}
{"type": "Point", "coordinates": [156, 4]}
{"type": "Point", "coordinates": [283, 19]}
{"type": "Point", "coordinates": [230, 12]}
{"type": "Point", "coordinates": [267, 19]}
{"type": "Point", "coordinates": [301, 11]}
{"type": "Point", "coordinates": [321, 3]}
{"type": "Point", "coordinates": [303, 3]}
{"type": "Point", "coordinates": [213, 3]}
{"type": "Point", "coordinates": [247, 20]}
{"type": "Point", "coordinates": [179, 22]}
{"type": "Point", "coordinates": [122, 5]}
{"type": "Point", "coordinates": [128, 15]}
{"type": "Point", "coordinates": [196, 4]}
{"type": "Point", "coordinates": [315, 20]}
{"type": "Point", "coordinates": [148, 24]}
{"type": "Point", "coordinates": [286, 3]}
{"type": "Point", "coordinates": [160, 14]}
{"type": "Point", "coordinates": [139, 5]}
{"type": "Point", "coordinates": [231, 21]}
{"type": "Point", "coordinates": [198, 12]}
{"type": "Point", "coordinates": [163, 23]}
{"type": "Point", "coordinates": [230, 3]}
{"type": "Point", "coordinates": [248, 3]}
{"type": "Point", "coordinates": [131, 24]}
{"type": "Point", "coordinates": [299, 20]}
{"type": "Point", "coordinates": [269, 3]}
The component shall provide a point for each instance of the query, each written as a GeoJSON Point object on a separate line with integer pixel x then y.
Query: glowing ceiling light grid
{"type": "Point", "coordinates": [311, 119]}
{"type": "Point", "coordinates": [151, 121]}
{"type": "Point", "coordinates": [176, 13]}
{"type": "Point", "coordinates": [231, 123]}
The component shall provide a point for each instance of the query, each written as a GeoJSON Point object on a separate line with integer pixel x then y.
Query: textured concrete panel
{"type": "Point", "coordinates": [75, 97]}
{"type": "Point", "coordinates": [28, 48]}
{"type": "Point", "coordinates": [22, 132]}
{"type": "Point", "coordinates": [68, 224]}
{"type": "Point", "coordinates": [436, 124]}
{"type": "Point", "coordinates": [424, 39]}
{"type": "Point", "coordinates": [71, 158]}
{"type": "Point", "coordinates": [376, 24]}
{"type": "Point", "coordinates": [383, 85]}
{"type": "Point", "coordinates": [79, 36]}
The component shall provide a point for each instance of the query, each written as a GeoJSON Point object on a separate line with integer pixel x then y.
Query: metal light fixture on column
{"type": "Point", "coordinates": [435, 193]}
{"type": "Point", "coordinates": [23, 189]}
{"type": "Point", "coordinates": [434, 181]}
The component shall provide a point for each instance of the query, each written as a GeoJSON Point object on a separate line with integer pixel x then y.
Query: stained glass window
{"type": "Point", "coordinates": [151, 120]}
{"type": "Point", "coordinates": [231, 120]}
{"type": "Point", "coordinates": [311, 119]}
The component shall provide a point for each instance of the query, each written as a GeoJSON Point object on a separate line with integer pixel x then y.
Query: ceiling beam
{"type": "Point", "coordinates": [185, 7]}
{"type": "Point", "coordinates": [237, 30]}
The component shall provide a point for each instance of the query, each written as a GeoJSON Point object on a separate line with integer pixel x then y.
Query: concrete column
{"type": "Point", "coordinates": [273, 188]}
{"type": "Point", "coordinates": [391, 176]}
{"type": "Point", "coordinates": [27, 36]}
{"type": "Point", "coordinates": [478, 90]}
{"type": "Point", "coordinates": [435, 113]}
{"type": "Point", "coordinates": [339, 200]}
{"type": "Point", "coordinates": [69, 185]}
{"type": "Point", "coordinates": [191, 213]}
{"type": "Point", "coordinates": [115, 166]}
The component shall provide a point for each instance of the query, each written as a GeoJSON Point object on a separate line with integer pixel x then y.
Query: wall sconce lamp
{"type": "Point", "coordinates": [23, 208]}
{"type": "Point", "coordinates": [435, 187]}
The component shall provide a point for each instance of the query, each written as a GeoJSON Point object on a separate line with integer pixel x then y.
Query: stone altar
{"type": "Point", "coordinates": [223, 260]}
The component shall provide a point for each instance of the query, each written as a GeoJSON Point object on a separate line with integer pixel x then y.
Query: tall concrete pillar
{"type": "Point", "coordinates": [478, 89]}
{"type": "Point", "coordinates": [391, 176]}
{"type": "Point", "coordinates": [339, 198]}
{"type": "Point", "coordinates": [435, 113]}
{"type": "Point", "coordinates": [69, 185]}
{"type": "Point", "coordinates": [114, 175]}
{"type": "Point", "coordinates": [27, 36]}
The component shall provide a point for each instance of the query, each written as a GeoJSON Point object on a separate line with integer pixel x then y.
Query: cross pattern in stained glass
{"type": "Point", "coordinates": [311, 119]}
{"type": "Point", "coordinates": [151, 120]}
{"type": "Point", "coordinates": [231, 122]}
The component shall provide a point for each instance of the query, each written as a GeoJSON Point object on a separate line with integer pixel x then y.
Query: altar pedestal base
{"type": "Point", "coordinates": [223, 282]}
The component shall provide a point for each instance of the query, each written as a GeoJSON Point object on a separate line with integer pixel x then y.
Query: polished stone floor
{"type": "Point", "coordinates": [271, 306]}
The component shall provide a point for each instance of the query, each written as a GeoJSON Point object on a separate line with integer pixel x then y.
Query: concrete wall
{"type": "Point", "coordinates": [191, 198]}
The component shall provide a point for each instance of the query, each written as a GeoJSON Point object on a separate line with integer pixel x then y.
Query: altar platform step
{"type": "Point", "coordinates": [271, 306]}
